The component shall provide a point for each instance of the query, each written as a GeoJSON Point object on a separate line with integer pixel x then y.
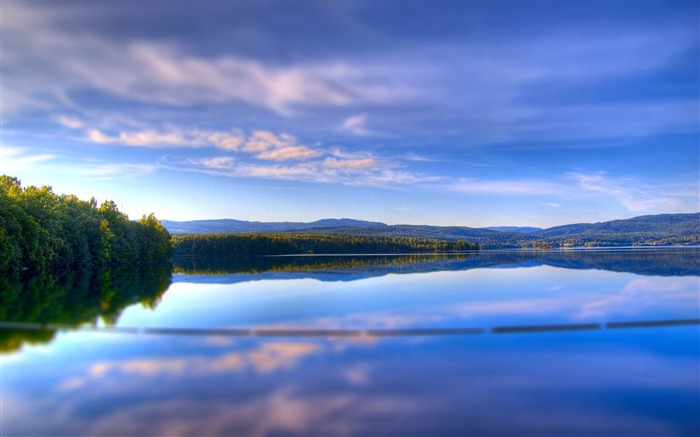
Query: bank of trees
{"type": "Point", "coordinates": [288, 244]}
{"type": "Point", "coordinates": [43, 231]}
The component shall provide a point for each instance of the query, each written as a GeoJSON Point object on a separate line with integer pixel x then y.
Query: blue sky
{"type": "Point", "coordinates": [470, 113]}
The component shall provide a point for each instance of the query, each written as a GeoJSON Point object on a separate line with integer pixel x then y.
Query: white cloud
{"type": "Point", "coordinates": [13, 159]}
{"type": "Point", "coordinates": [150, 139]}
{"type": "Point", "coordinates": [420, 158]}
{"type": "Point", "coordinates": [261, 144]}
{"type": "Point", "coordinates": [360, 163]}
{"type": "Point", "coordinates": [49, 61]}
{"type": "Point", "coordinates": [283, 147]}
{"type": "Point", "coordinates": [486, 88]}
{"type": "Point", "coordinates": [357, 125]}
{"type": "Point", "coordinates": [69, 122]}
{"type": "Point", "coordinates": [261, 141]}
{"type": "Point", "coordinates": [365, 171]}
{"type": "Point", "coordinates": [220, 162]}
{"type": "Point", "coordinates": [118, 169]}
{"type": "Point", "coordinates": [289, 153]}
{"type": "Point", "coordinates": [508, 187]}
{"type": "Point", "coordinates": [634, 195]}
{"type": "Point", "coordinates": [225, 140]}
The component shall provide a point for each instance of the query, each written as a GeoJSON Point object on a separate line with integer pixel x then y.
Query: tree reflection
{"type": "Point", "coordinates": [75, 299]}
{"type": "Point", "coordinates": [650, 262]}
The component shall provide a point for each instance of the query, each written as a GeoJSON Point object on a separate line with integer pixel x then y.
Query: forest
{"type": "Point", "coordinates": [41, 231]}
{"type": "Point", "coordinates": [288, 244]}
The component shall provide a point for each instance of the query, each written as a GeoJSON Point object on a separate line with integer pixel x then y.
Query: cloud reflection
{"type": "Point", "coordinates": [384, 390]}
{"type": "Point", "coordinates": [267, 358]}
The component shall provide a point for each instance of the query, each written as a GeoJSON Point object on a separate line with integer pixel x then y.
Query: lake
{"type": "Point", "coordinates": [507, 343]}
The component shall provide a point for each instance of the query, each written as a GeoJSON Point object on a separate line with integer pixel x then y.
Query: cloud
{"type": "Point", "coordinates": [49, 61]}
{"type": "Point", "coordinates": [261, 141]}
{"type": "Point", "coordinates": [411, 156]}
{"type": "Point", "coordinates": [633, 194]}
{"type": "Point", "coordinates": [508, 187]}
{"type": "Point", "coordinates": [226, 140]}
{"type": "Point", "coordinates": [281, 147]}
{"type": "Point", "coordinates": [483, 90]}
{"type": "Point", "coordinates": [13, 158]}
{"type": "Point", "coordinates": [350, 163]}
{"type": "Point", "coordinates": [261, 144]}
{"type": "Point", "coordinates": [357, 125]}
{"type": "Point", "coordinates": [289, 153]}
{"type": "Point", "coordinates": [629, 192]}
{"type": "Point", "coordinates": [220, 162]}
{"type": "Point", "coordinates": [150, 139]}
{"type": "Point", "coordinates": [118, 169]}
{"type": "Point", "coordinates": [69, 122]}
{"type": "Point", "coordinates": [365, 171]}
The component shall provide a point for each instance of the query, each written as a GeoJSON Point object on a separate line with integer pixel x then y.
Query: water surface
{"type": "Point", "coordinates": [561, 343]}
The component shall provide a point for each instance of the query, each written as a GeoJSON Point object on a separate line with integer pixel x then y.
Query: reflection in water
{"type": "Point", "coordinates": [348, 333]}
{"type": "Point", "coordinates": [410, 346]}
{"type": "Point", "coordinates": [574, 384]}
{"type": "Point", "coordinates": [676, 261]}
{"type": "Point", "coordinates": [75, 299]}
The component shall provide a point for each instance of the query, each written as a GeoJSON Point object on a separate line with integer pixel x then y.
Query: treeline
{"type": "Point", "coordinates": [43, 231]}
{"type": "Point", "coordinates": [290, 244]}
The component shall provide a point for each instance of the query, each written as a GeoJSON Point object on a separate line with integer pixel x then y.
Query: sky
{"type": "Point", "coordinates": [468, 113]}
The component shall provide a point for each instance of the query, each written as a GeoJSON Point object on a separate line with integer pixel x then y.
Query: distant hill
{"type": "Point", "coordinates": [230, 226]}
{"type": "Point", "coordinates": [521, 229]}
{"type": "Point", "coordinates": [664, 229]}
{"type": "Point", "coordinates": [662, 223]}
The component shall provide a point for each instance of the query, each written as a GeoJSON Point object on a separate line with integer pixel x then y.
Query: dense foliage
{"type": "Point", "coordinates": [43, 231]}
{"type": "Point", "coordinates": [287, 244]}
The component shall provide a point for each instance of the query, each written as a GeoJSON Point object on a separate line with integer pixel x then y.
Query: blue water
{"type": "Point", "coordinates": [467, 347]}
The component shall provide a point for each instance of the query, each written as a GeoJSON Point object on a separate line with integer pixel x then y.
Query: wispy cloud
{"type": "Point", "coordinates": [415, 157]}
{"type": "Point", "coordinates": [283, 147]}
{"type": "Point", "coordinates": [357, 125]}
{"type": "Point", "coordinates": [262, 145]}
{"type": "Point", "coordinates": [13, 159]}
{"type": "Point", "coordinates": [366, 171]}
{"type": "Point", "coordinates": [289, 153]}
{"type": "Point", "coordinates": [628, 192]}
{"type": "Point", "coordinates": [360, 163]}
{"type": "Point", "coordinates": [118, 169]}
{"type": "Point", "coordinates": [69, 122]}
{"type": "Point", "coordinates": [514, 187]}
{"type": "Point", "coordinates": [631, 193]}
{"type": "Point", "coordinates": [49, 61]}
{"type": "Point", "coordinates": [147, 139]}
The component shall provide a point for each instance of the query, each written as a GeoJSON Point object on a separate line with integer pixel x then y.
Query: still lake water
{"type": "Point", "coordinates": [560, 343]}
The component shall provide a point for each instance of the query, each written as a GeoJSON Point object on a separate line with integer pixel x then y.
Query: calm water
{"type": "Point", "coordinates": [589, 343]}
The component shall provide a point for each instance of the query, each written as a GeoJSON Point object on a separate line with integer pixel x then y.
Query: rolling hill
{"type": "Point", "coordinates": [663, 229]}
{"type": "Point", "coordinates": [230, 226]}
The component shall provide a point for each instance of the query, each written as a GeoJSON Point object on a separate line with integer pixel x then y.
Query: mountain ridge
{"type": "Point", "coordinates": [682, 228]}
